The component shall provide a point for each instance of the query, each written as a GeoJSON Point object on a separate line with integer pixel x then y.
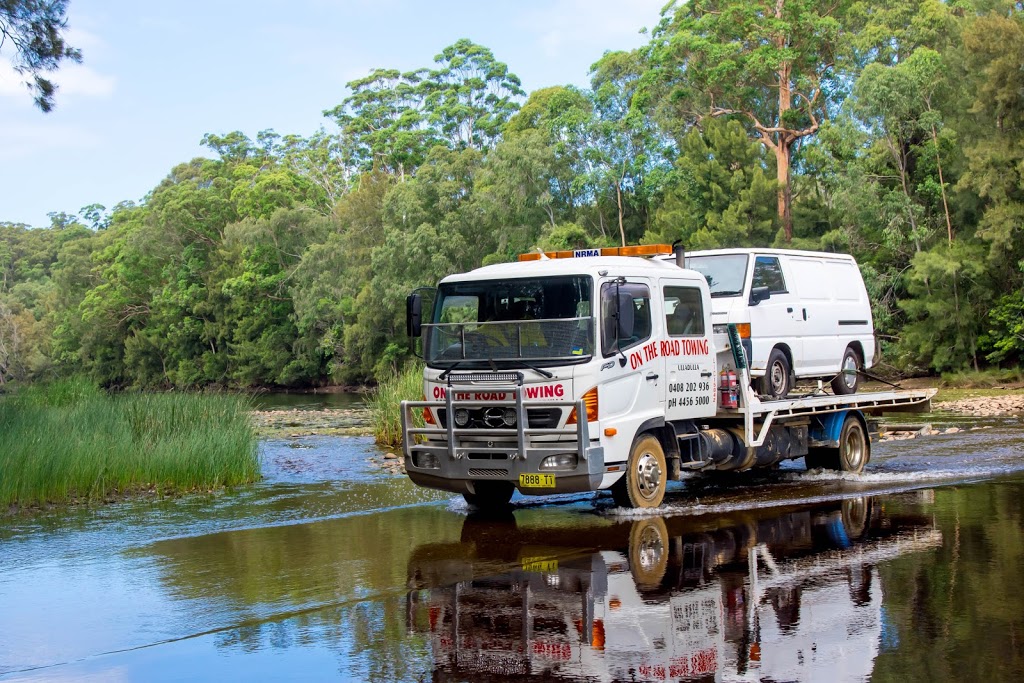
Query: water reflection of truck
{"type": "Point", "coordinates": [791, 594]}
{"type": "Point", "coordinates": [608, 372]}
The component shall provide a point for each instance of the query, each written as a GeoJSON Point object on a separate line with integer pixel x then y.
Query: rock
{"type": "Point", "coordinates": [390, 456]}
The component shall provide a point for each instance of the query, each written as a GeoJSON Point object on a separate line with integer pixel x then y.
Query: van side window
{"type": "Point", "coordinates": [639, 297]}
{"type": "Point", "coordinates": [768, 273]}
{"type": "Point", "coordinates": [684, 314]}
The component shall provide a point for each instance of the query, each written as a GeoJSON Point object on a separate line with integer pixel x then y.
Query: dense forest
{"type": "Point", "coordinates": [889, 129]}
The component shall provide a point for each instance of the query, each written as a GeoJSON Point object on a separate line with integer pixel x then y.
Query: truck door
{"type": "Point", "coordinates": [632, 373]}
{"type": "Point", "coordinates": [687, 351]}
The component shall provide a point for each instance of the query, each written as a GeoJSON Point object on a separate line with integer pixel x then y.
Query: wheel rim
{"type": "Point", "coordinates": [648, 476]}
{"type": "Point", "coordinates": [849, 371]}
{"type": "Point", "coordinates": [651, 549]}
{"type": "Point", "coordinates": [778, 378]}
{"type": "Point", "coordinates": [854, 448]}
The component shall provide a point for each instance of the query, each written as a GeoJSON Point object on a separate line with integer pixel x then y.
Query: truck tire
{"type": "Point", "coordinates": [490, 495]}
{"type": "Point", "coordinates": [848, 380]}
{"type": "Point", "coordinates": [853, 453]}
{"type": "Point", "coordinates": [648, 552]}
{"type": "Point", "coordinates": [777, 380]}
{"type": "Point", "coordinates": [643, 484]}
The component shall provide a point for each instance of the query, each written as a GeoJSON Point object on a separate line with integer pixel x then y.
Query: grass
{"type": "Point", "coordinates": [385, 404]}
{"type": "Point", "coordinates": [70, 442]}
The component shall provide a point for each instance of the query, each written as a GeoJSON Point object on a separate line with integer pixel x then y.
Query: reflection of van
{"type": "Point", "coordinates": [800, 313]}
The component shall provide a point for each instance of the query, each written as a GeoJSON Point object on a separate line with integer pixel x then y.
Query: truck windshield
{"type": "Point", "coordinates": [726, 273]}
{"type": "Point", "coordinates": [533, 321]}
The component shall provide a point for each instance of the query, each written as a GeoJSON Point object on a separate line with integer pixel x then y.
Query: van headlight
{"type": "Point", "coordinates": [426, 461]}
{"type": "Point", "coordinates": [561, 461]}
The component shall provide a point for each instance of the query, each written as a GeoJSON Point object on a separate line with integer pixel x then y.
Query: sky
{"type": "Point", "coordinates": [156, 77]}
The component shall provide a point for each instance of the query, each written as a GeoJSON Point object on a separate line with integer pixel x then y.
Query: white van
{"type": "Point", "coordinates": [801, 314]}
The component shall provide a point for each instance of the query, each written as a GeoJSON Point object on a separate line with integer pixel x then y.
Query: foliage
{"type": "Point", "coordinates": [70, 442]}
{"type": "Point", "coordinates": [892, 130]}
{"type": "Point", "coordinates": [35, 29]}
{"type": "Point", "coordinates": [385, 401]}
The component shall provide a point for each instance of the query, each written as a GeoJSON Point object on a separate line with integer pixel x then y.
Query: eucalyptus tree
{"type": "Point", "coordinates": [776, 65]}
{"type": "Point", "coordinates": [470, 96]}
{"type": "Point", "coordinates": [382, 122]}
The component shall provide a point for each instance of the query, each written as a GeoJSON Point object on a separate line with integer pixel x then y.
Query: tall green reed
{"type": "Point", "coordinates": [70, 441]}
{"type": "Point", "coordinates": [385, 404]}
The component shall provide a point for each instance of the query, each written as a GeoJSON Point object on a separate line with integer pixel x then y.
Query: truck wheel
{"type": "Point", "coordinates": [648, 552]}
{"type": "Point", "coordinates": [490, 495]}
{"type": "Point", "coordinates": [848, 379]}
{"type": "Point", "coordinates": [853, 453]}
{"type": "Point", "coordinates": [643, 484]}
{"type": "Point", "coordinates": [776, 382]}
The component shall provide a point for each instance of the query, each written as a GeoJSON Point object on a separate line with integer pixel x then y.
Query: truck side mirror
{"type": "Point", "coordinates": [759, 294]}
{"type": "Point", "coordinates": [414, 315]}
{"type": "Point", "coordinates": [625, 316]}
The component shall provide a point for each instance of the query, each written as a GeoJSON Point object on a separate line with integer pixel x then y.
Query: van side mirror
{"type": "Point", "coordinates": [759, 294]}
{"type": "Point", "coordinates": [414, 315]}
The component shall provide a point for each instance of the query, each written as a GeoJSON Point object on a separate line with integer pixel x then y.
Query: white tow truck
{"type": "Point", "coordinates": [601, 369]}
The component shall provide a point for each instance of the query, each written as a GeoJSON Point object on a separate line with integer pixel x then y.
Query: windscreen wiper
{"type": "Point", "coordinates": [448, 371]}
{"type": "Point", "coordinates": [540, 371]}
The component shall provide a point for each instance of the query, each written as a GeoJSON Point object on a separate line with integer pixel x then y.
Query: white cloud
{"type": "Point", "coordinates": [79, 79]}
{"type": "Point", "coordinates": [572, 24]}
{"type": "Point", "coordinates": [28, 140]}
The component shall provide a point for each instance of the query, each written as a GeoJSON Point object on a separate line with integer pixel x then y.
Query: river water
{"type": "Point", "coordinates": [329, 569]}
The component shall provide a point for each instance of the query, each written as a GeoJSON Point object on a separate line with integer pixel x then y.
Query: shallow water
{"type": "Point", "coordinates": [331, 570]}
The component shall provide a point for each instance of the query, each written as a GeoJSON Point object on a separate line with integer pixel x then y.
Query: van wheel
{"type": "Point", "coordinates": [643, 484]}
{"type": "Point", "coordinates": [777, 381]}
{"type": "Point", "coordinates": [848, 379]}
{"type": "Point", "coordinates": [490, 495]}
{"type": "Point", "coordinates": [853, 453]}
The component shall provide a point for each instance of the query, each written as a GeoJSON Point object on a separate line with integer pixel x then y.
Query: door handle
{"type": "Point", "coordinates": [789, 309]}
{"type": "Point", "coordinates": [706, 374]}
{"type": "Point", "coordinates": [805, 314]}
{"type": "Point", "coordinates": [652, 376]}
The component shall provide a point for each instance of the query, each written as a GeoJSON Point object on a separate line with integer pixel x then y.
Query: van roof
{"type": "Point", "coordinates": [771, 252]}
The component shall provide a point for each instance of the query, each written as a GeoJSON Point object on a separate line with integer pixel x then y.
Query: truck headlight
{"type": "Point", "coordinates": [509, 417]}
{"type": "Point", "coordinates": [426, 461]}
{"type": "Point", "coordinates": [561, 461]}
{"type": "Point", "coordinates": [461, 417]}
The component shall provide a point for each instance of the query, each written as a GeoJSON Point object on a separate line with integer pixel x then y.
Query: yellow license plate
{"type": "Point", "coordinates": [537, 481]}
{"type": "Point", "coordinates": [540, 565]}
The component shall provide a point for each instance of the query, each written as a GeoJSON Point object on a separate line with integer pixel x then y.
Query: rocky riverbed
{"type": "Point", "coordinates": [326, 422]}
{"type": "Point", "coordinates": [984, 406]}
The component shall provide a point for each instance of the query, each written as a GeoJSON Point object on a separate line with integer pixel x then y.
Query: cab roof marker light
{"type": "Point", "coordinates": [640, 250]}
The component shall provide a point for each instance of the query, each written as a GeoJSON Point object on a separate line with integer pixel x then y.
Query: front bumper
{"type": "Point", "coordinates": [465, 457]}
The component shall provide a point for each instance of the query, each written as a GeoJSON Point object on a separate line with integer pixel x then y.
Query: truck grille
{"type": "Point", "coordinates": [536, 418]}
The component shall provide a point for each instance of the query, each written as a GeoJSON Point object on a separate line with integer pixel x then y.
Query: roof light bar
{"type": "Point", "coordinates": [640, 250]}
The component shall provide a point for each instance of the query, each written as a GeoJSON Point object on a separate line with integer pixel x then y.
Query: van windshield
{"type": "Point", "coordinates": [725, 273]}
{"type": "Point", "coordinates": [533, 321]}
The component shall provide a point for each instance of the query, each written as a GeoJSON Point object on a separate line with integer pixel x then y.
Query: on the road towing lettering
{"type": "Point", "coordinates": [533, 391]}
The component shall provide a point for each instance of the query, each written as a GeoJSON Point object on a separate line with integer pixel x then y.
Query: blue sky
{"type": "Point", "coordinates": [157, 76]}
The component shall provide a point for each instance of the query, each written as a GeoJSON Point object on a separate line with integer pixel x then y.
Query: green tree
{"type": "Point", "coordinates": [471, 96]}
{"type": "Point", "coordinates": [774, 64]}
{"type": "Point", "coordinates": [35, 30]}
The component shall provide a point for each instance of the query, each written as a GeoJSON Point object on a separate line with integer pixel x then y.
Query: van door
{"type": "Point", "coordinates": [687, 351]}
{"type": "Point", "coordinates": [814, 286]}
{"type": "Point", "coordinates": [778, 320]}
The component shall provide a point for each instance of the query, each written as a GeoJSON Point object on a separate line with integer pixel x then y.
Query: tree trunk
{"type": "Point", "coordinates": [782, 156]}
{"type": "Point", "coordinates": [618, 197]}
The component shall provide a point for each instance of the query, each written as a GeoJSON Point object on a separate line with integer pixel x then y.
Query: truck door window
{"type": "Point", "coordinates": [640, 296]}
{"type": "Point", "coordinates": [684, 314]}
{"type": "Point", "coordinates": [768, 273]}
